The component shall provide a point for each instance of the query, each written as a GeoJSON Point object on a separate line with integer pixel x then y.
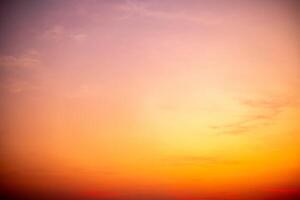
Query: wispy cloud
{"type": "Point", "coordinates": [55, 32]}
{"type": "Point", "coordinates": [197, 160]}
{"type": "Point", "coordinates": [17, 70]}
{"type": "Point", "coordinates": [138, 8]}
{"type": "Point", "coordinates": [79, 37]}
{"type": "Point", "coordinates": [274, 104]}
{"type": "Point", "coordinates": [17, 86]}
{"type": "Point", "coordinates": [60, 32]}
{"type": "Point", "coordinates": [27, 60]}
{"type": "Point", "coordinates": [261, 112]}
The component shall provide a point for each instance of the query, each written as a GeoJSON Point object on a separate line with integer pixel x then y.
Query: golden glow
{"type": "Point", "coordinates": [149, 99]}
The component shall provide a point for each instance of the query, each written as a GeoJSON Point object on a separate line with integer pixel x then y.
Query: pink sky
{"type": "Point", "coordinates": [156, 99]}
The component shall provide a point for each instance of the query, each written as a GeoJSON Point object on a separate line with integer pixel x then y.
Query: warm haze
{"type": "Point", "coordinates": [156, 100]}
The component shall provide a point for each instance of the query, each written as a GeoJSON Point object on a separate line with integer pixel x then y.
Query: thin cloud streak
{"type": "Point", "coordinates": [27, 60]}
{"type": "Point", "coordinates": [59, 32]}
{"type": "Point", "coordinates": [11, 68]}
{"type": "Point", "coordinates": [142, 9]}
{"type": "Point", "coordinates": [198, 160]}
{"type": "Point", "coordinates": [262, 112]}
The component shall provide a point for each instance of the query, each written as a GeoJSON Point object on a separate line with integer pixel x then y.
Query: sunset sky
{"type": "Point", "coordinates": [156, 100]}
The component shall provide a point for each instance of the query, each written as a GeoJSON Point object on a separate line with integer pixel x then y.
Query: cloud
{"type": "Point", "coordinates": [80, 37]}
{"type": "Point", "coordinates": [271, 103]}
{"type": "Point", "coordinates": [197, 160]}
{"type": "Point", "coordinates": [261, 112]}
{"type": "Point", "coordinates": [55, 32]}
{"type": "Point", "coordinates": [133, 8]}
{"type": "Point", "coordinates": [16, 70]}
{"type": "Point", "coordinates": [59, 32]}
{"type": "Point", "coordinates": [245, 124]}
{"type": "Point", "coordinates": [27, 60]}
{"type": "Point", "coordinates": [17, 86]}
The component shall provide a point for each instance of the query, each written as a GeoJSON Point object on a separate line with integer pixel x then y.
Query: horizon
{"type": "Point", "coordinates": [160, 100]}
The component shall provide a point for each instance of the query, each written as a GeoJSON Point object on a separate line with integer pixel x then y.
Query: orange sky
{"type": "Point", "coordinates": [150, 99]}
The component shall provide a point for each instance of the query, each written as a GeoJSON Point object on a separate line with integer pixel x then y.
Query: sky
{"type": "Point", "coordinates": [140, 99]}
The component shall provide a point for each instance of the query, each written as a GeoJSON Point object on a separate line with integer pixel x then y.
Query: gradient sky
{"type": "Point", "coordinates": [183, 100]}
